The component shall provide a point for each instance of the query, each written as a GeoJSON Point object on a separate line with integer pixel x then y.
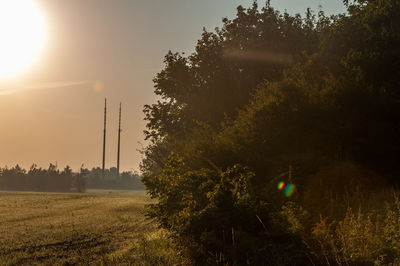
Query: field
{"type": "Point", "coordinates": [97, 227]}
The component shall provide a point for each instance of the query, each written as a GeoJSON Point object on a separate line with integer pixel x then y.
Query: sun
{"type": "Point", "coordinates": [22, 36]}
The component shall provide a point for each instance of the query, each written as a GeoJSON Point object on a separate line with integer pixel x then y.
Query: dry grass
{"type": "Point", "coordinates": [56, 228]}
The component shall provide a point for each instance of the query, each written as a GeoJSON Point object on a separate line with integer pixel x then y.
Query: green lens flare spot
{"type": "Point", "coordinates": [289, 190]}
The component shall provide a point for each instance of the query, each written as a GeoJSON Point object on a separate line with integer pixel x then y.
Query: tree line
{"type": "Point", "coordinates": [41, 179]}
{"type": "Point", "coordinates": [272, 101]}
{"type": "Point", "coordinates": [55, 180]}
{"type": "Point", "coordinates": [95, 178]}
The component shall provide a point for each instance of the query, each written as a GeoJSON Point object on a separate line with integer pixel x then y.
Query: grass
{"type": "Point", "coordinates": [97, 227]}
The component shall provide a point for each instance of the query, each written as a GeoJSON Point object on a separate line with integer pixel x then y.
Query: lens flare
{"type": "Point", "coordinates": [281, 185]}
{"type": "Point", "coordinates": [289, 190]}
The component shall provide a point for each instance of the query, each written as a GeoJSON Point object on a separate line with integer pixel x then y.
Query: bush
{"type": "Point", "coordinates": [219, 218]}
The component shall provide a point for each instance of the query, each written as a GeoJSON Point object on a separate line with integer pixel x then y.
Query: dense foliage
{"type": "Point", "coordinates": [265, 93]}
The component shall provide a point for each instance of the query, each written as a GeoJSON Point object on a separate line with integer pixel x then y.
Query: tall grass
{"type": "Point", "coordinates": [156, 248]}
{"type": "Point", "coordinates": [366, 234]}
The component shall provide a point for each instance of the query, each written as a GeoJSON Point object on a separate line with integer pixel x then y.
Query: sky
{"type": "Point", "coordinates": [96, 49]}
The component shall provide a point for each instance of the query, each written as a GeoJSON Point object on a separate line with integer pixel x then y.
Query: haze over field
{"type": "Point", "coordinates": [52, 110]}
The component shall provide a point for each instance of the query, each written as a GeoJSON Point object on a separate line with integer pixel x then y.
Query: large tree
{"type": "Point", "coordinates": [218, 79]}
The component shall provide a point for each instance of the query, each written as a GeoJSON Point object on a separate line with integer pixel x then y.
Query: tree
{"type": "Point", "coordinates": [230, 62]}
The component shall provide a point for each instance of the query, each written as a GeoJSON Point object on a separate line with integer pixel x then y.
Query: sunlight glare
{"type": "Point", "coordinates": [22, 36]}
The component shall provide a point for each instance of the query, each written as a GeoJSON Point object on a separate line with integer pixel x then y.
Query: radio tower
{"type": "Point", "coordinates": [104, 134]}
{"type": "Point", "coordinates": [119, 138]}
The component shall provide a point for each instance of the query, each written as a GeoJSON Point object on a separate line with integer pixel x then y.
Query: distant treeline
{"type": "Point", "coordinates": [55, 180]}
{"type": "Point", "coordinates": [111, 180]}
{"type": "Point", "coordinates": [40, 179]}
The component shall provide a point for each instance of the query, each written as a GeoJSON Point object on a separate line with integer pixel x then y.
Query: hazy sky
{"type": "Point", "coordinates": [53, 112]}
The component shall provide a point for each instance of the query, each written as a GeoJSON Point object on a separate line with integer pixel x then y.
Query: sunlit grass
{"type": "Point", "coordinates": [56, 228]}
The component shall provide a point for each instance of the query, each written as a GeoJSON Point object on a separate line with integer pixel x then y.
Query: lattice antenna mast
{"type": "Point", "coordinates": [104, 134]}
{"type": "Point", "coordinates": [119, 138]}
